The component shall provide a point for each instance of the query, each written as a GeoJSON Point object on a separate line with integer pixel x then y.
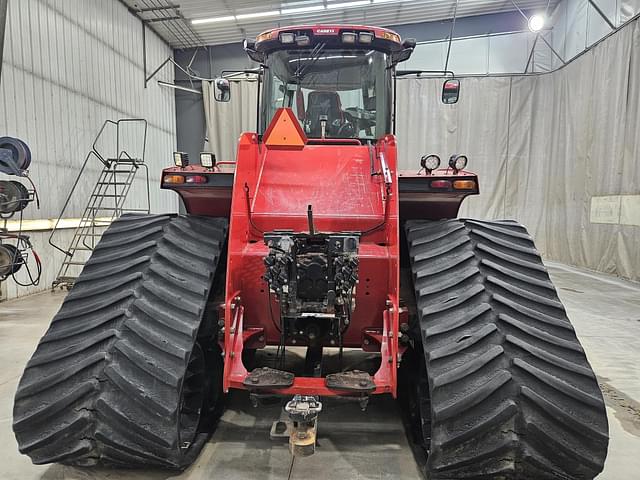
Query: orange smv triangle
{"type": "Point", "coordinates": [284, 131]}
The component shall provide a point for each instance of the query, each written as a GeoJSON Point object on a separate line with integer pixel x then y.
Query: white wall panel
{"type": "Point", "coordinates": [68, 66]}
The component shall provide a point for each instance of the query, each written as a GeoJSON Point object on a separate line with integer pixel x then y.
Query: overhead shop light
{"type": "Point", "coordinates": [290, 9]}
{"type": "Point", "coordinates": [536, 22]}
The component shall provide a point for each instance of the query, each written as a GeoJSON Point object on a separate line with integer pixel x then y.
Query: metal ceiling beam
{"type": "Point", "coordinates": [133, 12]}
{"type": "Point", "coordinates": [160, 19]}
{"type": "Point", "coordinates": [599, 10]}
{"type": "Point", "coordinates": [153, 9]}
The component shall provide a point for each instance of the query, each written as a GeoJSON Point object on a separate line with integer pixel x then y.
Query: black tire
{"type": "Point", "coordinates": [512, 393]}
{"type": "Point", "coordinates": [121, 378]}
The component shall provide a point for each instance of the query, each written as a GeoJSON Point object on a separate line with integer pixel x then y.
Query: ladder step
{"type": "Point", "coordinates": [83, 249]}
{"type": "Point", "coordinates": [125, 160]}
{"type": "Point", "coordinates": [74, 263]}
{"type": "Point", "coordinates": [100, 195]}
{"type": "Point", "coordinates": [114, 183]}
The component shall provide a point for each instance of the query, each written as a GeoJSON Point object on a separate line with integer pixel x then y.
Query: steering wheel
{"type": "Point", "coordinates": [346, 130]}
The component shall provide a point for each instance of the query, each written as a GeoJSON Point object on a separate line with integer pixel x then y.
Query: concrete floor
{"type": "Point", "coordinates": [352, 445]}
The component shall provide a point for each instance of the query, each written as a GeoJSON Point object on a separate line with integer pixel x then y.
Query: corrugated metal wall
{"type": "Point", "coordinates": [68, 66]}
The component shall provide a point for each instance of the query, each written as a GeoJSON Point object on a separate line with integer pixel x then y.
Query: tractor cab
{"type": "Point", "coordinates": [337, 80]}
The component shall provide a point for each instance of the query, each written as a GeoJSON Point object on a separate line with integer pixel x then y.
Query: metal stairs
{"type": "Point", "coordinates": [106, 202]}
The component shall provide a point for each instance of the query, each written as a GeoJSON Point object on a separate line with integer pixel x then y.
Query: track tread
{"type": "Point", "coordinates": [103, 387]}
{"type": "Point", "coordinates": [512, 393]}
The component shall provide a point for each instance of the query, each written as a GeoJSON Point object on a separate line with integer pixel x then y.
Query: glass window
{"type": "Point", "coordinates": [338, 93]}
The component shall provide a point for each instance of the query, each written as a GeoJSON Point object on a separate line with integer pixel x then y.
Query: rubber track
{"type": "Point", "coordinates": [104, 383]}
{"type": "Point", "coordinates": [512, 393]}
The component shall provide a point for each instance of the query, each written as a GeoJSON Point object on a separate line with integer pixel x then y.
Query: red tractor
{"type": "Point", "coordinates": [314, 239]}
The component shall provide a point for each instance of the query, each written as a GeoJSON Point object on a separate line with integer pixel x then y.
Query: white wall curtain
{"type": "Point", "coordinates": [227, 120]}
{"type": "Point", "coordinates": [543, 147]}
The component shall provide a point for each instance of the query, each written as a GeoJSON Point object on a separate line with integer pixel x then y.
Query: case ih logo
{"type": "Point", "coordinates": [326, 31]}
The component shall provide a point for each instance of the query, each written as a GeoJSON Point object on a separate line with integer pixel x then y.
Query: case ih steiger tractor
{"type": "Point", "coordinates": [315, 239]}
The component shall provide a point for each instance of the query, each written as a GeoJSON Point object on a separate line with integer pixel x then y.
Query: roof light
{"type": "Point", "coordinates": [348, 37]}
{"type": "Point", "coordinates": [200, 21]}
{"type": "Point", "coordinates": [207, 159]}
{"type": "Point", "coordinates": [394, 37]}
{"type": "Point", "coordinates": [365, 37]}
{"type": "Point", "coordinates": [303, 40]}
{"type": "Point", "coordinates": [196, 179]}
{"type": "Point", "coordinates": [173, 179]}
{"type": "Point", "coordinates": [181, 159]}
{"type": "Point", "coordinates": [458, 162]}
{"type": "Point", "coordinates": [287, 37]}
{"type": "Point", "coordinates": [264, 36]}
{"type": "Point", "coordinates": [536, 23]}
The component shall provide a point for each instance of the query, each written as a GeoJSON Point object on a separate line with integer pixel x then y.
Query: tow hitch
{"type": "Point", "coordinates": [303, 411]}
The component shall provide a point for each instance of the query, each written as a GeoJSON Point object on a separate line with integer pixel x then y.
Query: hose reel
{"type": "Point", "coordinates": [14, 197]}
{"type": "Point", "coordinates": [15, 156]}
{"type": "Point", "coordinates": [11, 260]}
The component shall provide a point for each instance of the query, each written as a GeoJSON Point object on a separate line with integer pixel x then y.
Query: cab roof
{"type": "Point", "coordinates": [332, 36]}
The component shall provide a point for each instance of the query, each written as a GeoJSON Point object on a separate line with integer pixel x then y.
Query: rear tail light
{"type": "Point", "coordinates": [440, 184]}
{"type": "Point", "coordinates": [196, 179]}
{"type": "Point", "coordinates": [173, 179]}
{"type": "Point", "coordinates": [464, 185]}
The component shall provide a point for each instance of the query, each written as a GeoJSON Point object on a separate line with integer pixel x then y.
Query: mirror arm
{"type": "Point", "coordinates": [403, 73]}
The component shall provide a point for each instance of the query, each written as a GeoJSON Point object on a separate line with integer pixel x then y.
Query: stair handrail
{"type": "Point", "coordinates": [96, 152]}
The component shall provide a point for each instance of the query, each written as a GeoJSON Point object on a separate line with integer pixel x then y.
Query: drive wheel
{"type": "Point", "coordinates": [512, 395]}
{"type": "Point", "coordinates": [129, 372]}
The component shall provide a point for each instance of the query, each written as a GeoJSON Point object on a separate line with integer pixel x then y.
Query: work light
{"type": "Point", "coordinates": [207, 159]}
{"type": "Point", "coordinates": [303, 40]}
{"type": "Point", "coordinates": [365, 37]}
{"type": "Point", "coordinates": [458, 162]}
{"type": "Point", "coordinates": [287, 37]}
{"type": "Point", "coordinates": [181, 159]}
{"type": "Point", "coordinates": [430, 162]}
{"type": "Point", "coordinates": [348, 37]}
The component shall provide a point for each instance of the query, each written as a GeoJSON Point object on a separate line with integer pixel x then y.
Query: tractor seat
{"type": "Point", "coordinates": [323, 103]}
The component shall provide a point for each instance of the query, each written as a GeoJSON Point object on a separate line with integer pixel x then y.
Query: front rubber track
{"type": "Point", "coordinates": [105, 383]}
{"type": "Point", "coordinates": [512, 393]}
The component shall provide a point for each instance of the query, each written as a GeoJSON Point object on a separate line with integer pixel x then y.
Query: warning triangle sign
{"type": "Point", "coordinates": [284, 131]}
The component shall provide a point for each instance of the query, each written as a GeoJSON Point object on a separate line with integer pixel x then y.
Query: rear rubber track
{"type": "Point", "coordinates": [106, 382]}
{"type": "Point", "coordinates": [512, 393]}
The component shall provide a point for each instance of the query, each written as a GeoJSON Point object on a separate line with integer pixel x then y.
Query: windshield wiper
{"type": "Point", "coordinates": [313, 58]}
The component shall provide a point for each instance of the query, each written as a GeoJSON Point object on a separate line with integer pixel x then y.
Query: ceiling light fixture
{"type": "Point", "coordinates": [200, 21]}
{"type": "Point", "coordinates": [348, 4]}
{"type": "Point", "coordinates": [290, 11]}
{"type": "Point", "coordinates": [536, 23]}
{"type": "Point", "coordinates": [244, 16]}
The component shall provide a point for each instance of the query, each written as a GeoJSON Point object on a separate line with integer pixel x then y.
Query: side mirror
{"type": "Point", "coordinates": [222, 90]}
{"type": "Point", "coordinates": [450, 91]}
